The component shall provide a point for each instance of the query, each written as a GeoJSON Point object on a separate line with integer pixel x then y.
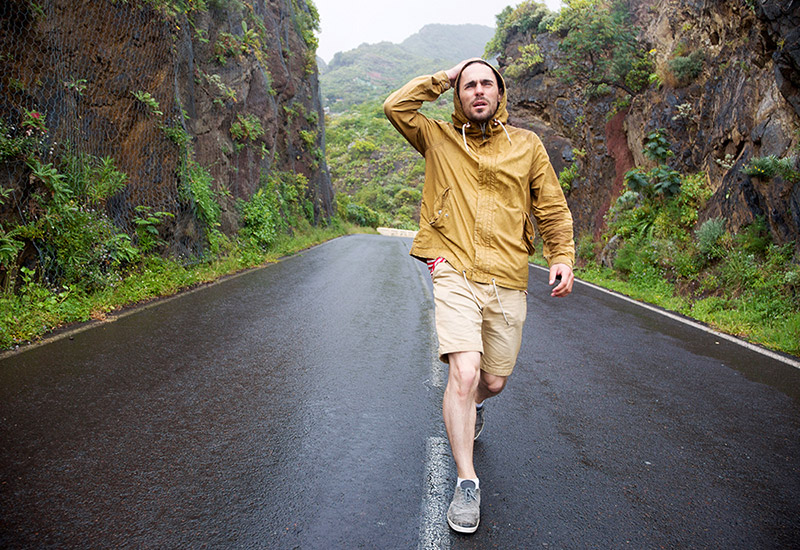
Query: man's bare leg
{"type": "Point", "coordinates": [459, 408]}
{"type": "Point", "coordinates": [489, 385]}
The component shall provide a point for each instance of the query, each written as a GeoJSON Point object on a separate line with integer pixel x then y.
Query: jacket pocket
{"type": "Point", "coordinates": [528, 234]}
{"type": "Point", "coordinates": [441, 209]}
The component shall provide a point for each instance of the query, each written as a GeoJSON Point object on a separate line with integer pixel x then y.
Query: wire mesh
{"type": "Point", "coordinates": [79, 101]}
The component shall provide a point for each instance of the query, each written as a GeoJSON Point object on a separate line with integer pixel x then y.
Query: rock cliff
{"type": "Point", "coordinates": [180, 94]}
{"type": "Point", "coordinates": [742, 104]}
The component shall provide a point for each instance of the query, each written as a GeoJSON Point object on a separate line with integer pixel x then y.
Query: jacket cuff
{"type": "Point", "coordinates": [440, 78]}
{"type": "Point", "coordinates": [560, 260]}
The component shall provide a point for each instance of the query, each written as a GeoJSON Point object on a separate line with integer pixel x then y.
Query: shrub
{"type": "Point", "coordinates": [259, 217]}
{"type": "Point", "coordinates": [246, 128]}
{"type": "Point", "coordinates": [356, 213]}
{"type": "Point", "coordinates": [585, 248]}
{"type": "Point", "coordinates": [567, 176]}
{"type": "Point", "coordinates": [309, 138]}
{"type": "Point", "coordinates": [527, 17]}
{"type": "Point", "coordinates": [148, 101]}
{"type": "Point", "coordinates": [530, 56]}
{"type": "Point", "coordinates": [197, 188]}
{"type": "Point", "coordinates": [14, 146]}
{"type": "Point", "coordinates": [656, 146]}
{"type": "Point", "coordinates": [147, 222]}
{"type": "Point", "coordinates": [770, 166]}
{"type": "Point", "coordinates": [600, 45]}
{"type": "Point", "coordinates": [661, 180]}
{"type": "Point", "coordinates": [364, 147]}
{"type": "Point", "coordinates": [709, 235]}
{"type": "Point", "coordinates": [685, 69]}
{"type": "Point", "coordinates": [754, 238]}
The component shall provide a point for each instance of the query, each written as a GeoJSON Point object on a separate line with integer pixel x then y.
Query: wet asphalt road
{"type": "Point", "coordinates": [298, 406]}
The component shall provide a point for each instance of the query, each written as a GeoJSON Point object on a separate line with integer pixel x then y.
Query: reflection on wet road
{"type": "Point", "coordinates": [298, 406]}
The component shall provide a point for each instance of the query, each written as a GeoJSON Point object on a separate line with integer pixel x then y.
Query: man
{"type": "Point", "coordinates": [483, 180]}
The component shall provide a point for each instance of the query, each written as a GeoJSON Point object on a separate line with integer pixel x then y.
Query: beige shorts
{"type": "Point", "coordinates": [464, 324]}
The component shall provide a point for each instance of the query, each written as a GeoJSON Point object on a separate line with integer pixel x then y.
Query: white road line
{"type": "Point", "coordinates": [433, 531]}
{"type": "Point", "coordinates": [434, 534]}
{"type": "Point", "coordinates": [689, 322]}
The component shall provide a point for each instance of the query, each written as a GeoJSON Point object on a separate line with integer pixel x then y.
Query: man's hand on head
{"type": "Point", "coordinates": [563, 274]}
{"type": "Point", "coordinates": [453, 72]}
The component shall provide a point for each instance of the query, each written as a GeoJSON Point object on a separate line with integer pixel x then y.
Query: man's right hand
{"type": "Point", "coordinates": [453, 72]}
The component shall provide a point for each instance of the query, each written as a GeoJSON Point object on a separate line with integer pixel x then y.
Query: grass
{"type": "Point", "coordinates": [37, 311]}
{"type": "Point", "coordinates": [743, 315]}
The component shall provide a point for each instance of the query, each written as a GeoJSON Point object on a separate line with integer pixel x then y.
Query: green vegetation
{"type": "Point", "coordinates": [77, 242]}
{"type": "Point", "coordinates": [38, 308]}
{"type": "Point", "coordinates": [307, 23]}
{"type": "Point", "coordinates": [600, 48]}
{"type": "Point", "coordinates": [661, 180]}
{"type": "Point", "coordinates": [528, 17]}
{"type": "Point", "coordinates": [88, 267]}
{"type": "Point", "coordinates": [742, 283]}
{"type": "Point", "coordinates": [529, 57]}
{"type": "Point", "coordinates": [686, 68]}
{"type": "Point", "coordinates": [378, 171]}
{"type": "Point", "coordinates": [12, 145]}
{"type": "Point", "coordinates": [768, 167]}
{"type": "Point", "coordinates": [246, 128]}
{"type": "Point", "coordinates": [567, 176]}
{"type": "Point", "coordinates": [148, 101]}
{"type": "Point", "coordinates": [277, 208]}
{"type": "Point", "coordinates": [375, 70]}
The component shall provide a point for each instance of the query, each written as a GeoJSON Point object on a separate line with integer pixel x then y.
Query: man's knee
{"type": "Point", "coordinates": [492, 383]}
{"type": "Point", "coordinates": [465, 369]}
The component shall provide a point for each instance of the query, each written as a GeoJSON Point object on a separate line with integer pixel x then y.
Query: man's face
{"type": "Point", "coordinates": [478, 92]}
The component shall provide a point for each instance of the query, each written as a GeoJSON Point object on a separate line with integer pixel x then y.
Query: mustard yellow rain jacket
{"type": "Point", "coordinates": [481, 187]}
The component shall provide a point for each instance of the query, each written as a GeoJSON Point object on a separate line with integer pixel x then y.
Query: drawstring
{"type": "Point", "coordinates": [499, 302]}
{"type": "Point", "coordinates": [464, 135]}
{"type": "Point", "coordinates": [504, 129]}
{"type": "Point", "coordinates": [468, 125]}
{"type": "Point", "coordinates": [474, 297]}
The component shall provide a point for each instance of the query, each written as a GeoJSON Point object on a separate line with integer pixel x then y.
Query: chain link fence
{"type": "Point", "coordinates": [92, 140]}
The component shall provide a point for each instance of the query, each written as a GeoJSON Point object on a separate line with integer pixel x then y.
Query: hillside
{"type": "Point", "coordinates": [676, 135]}
{"type": "Point", "coordinates": [140, 134]}
{"type": "Point", "coordinates": [373, 70]}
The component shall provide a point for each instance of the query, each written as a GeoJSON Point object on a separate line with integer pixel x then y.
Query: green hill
{"type": "Point", "coordinates": [371, 71]}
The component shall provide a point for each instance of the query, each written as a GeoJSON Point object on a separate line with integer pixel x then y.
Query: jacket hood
{"type": "Point", "coordinates": [459, 118]}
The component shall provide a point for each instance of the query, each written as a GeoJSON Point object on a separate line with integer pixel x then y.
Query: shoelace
{"type": "Point", "coordinates": [469, 494]}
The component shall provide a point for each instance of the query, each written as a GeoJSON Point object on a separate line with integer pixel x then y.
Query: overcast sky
{"type": "Point", "coordinates": [348, 24]}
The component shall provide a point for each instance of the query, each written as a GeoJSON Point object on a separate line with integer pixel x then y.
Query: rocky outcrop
{"type": "Point", "coordinates": [160, 89]}
{"type": "Point", "coordinates": [742, 105]}
{"type": "Point", "coordinates": [782, 26]}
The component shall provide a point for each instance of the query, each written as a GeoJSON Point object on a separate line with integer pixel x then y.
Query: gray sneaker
{"type": "Point", "coordinates": [479, 421]}
{"type": "Point", "coordinates": [464, 513]}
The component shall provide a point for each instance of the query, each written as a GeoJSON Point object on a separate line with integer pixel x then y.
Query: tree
{"type": "Point", "coordinates": [600, 46]}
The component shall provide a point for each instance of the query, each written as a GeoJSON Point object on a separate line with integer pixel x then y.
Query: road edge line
{"type": "Point", "coordinates": [694, 324]}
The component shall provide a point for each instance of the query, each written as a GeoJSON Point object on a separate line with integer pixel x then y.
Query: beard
{"type": "Point", "coordinates": [484, 116]}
